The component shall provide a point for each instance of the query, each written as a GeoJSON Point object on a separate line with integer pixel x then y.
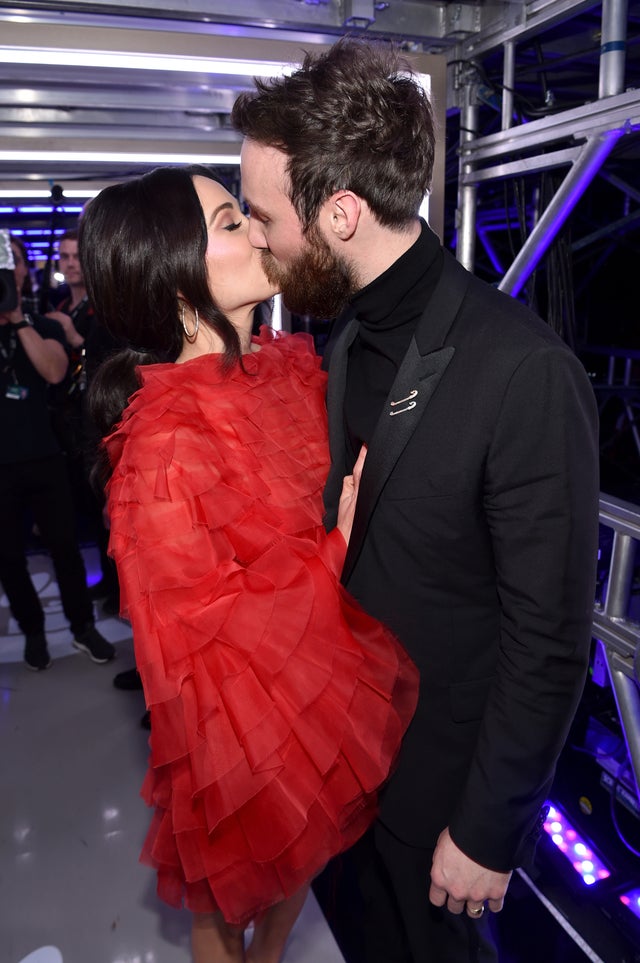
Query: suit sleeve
{"type": "Point", "coordinates": [541, 504]}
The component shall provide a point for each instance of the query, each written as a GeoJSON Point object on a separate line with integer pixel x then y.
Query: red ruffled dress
{"type": "Point", "coordinates": [277, 704]}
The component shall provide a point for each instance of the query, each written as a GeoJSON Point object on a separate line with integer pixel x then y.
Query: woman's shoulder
{"type": "Point", "coordinates": [293, 350]}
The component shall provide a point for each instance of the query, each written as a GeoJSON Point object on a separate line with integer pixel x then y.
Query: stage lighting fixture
{"type": "Point", "coordinates": [577, 849]}
{"type": "Point", "coordinates": [631, 899]}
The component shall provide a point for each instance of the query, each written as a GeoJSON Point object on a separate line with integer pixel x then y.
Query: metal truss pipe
{"type": "Point", "coordinates": [623, 557]}
{"type": "Point", "coordinates": [592, 157]}
{"type": "Point", "coordinates": [613, 47]}
{"type": "Point", "coordinates": [627, 698]}
{"type": "Point", "coordinates": [508, 81]}
{"type": "Point", "coordinates": [467, 193]}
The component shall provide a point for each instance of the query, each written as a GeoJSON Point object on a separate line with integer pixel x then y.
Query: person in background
{"type": "Point", "coordinates": [88, 344]}
{"type": "Point", "coordinates": [33, 476]}
{"type": "Point", "coordinates": [277, 706]}
{"type": "Point", "coordinates": [74, 312]}
{"type": "Point", "coordinates": [28, 297]}
{"type": "Point", "coordinates": [475, 532]}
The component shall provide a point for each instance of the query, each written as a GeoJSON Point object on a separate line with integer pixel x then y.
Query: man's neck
{"type": "Point", "coordinates": [76, 293]}
{"type": "Point", "coordinates": [380, 247]}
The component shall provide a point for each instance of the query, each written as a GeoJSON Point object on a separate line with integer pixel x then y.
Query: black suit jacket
{"type": "Point", "coordinates": [475, 540]}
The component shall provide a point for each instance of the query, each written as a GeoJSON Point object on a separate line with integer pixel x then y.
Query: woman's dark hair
{"type": "Point", "coordinates": [142, 247]}
{"type": "Point", "coordinates": [354, 118]}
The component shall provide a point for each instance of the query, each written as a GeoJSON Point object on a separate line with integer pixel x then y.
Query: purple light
{"type": "Point", "coordinates": [577, 850]}
{"type": "Point", "coordinates": [493, 257]}
{"type": "Point", "coordinates": [631, 900]}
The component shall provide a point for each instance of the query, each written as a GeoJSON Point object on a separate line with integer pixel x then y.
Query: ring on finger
{"type": "Point", "coordinates": [476, 911]}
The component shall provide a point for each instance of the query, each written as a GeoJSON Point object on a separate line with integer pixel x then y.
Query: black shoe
{"type": "Point", "coordinates": [129, 680]}
{"type": "Point", "coordinates": [145, 722]}
{"type": "Point", "coordinates": [96, 647]}
{"type": "Point", "coordinates": [36, 653]}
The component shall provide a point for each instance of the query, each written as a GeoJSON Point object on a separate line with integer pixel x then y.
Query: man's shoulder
{"type": "Point", "coordinates": [489, 311]}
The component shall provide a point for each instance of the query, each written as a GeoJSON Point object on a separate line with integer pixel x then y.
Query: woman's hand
{"type": "Point", "coordinates": [349, 496]}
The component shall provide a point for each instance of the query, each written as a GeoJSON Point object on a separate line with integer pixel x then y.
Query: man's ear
{"type": "Point", "coordinates": [343, 211]}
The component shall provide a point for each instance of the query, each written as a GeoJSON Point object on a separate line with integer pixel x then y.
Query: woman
{"type": "Point", "coordinates": [277, 705]}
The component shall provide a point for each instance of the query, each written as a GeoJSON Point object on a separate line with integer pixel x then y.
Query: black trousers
{"type": "Point", "coordinates": [376, 898]}
{"type": "Point", "coordinates": [88, 518]}
{"type": "Point", "coordinates": [43, 486]}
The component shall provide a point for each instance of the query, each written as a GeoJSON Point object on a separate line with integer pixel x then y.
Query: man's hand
{"type": "Point", "coordinates": [457, 880]}
{"type": "Point", "coordinates": [74, 338]}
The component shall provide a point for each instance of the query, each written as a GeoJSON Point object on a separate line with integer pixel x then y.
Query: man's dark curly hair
{"type": "Point", "coordinates": [352, 118]}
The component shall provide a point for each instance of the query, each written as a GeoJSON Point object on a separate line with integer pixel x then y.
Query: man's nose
{"type": "Point", "coordinates": [256, 234]}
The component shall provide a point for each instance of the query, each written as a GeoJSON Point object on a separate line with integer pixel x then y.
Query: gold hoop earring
{"type": "Point", "coordinates": [190, 335]}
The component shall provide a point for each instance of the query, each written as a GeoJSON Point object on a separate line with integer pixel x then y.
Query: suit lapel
{"type": "Point", "coordinates": [336, 388]}
{"type": "Point", "coordinates": [418, 377]}
{"type": "Point", "coordinates": [410, 394]}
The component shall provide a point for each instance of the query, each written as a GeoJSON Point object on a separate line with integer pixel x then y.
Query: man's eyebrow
{"type": "Point", "coordinates": [255, 208]}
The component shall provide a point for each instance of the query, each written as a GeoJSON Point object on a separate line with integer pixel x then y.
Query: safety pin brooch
{"type": "Point", "coordinates": [412, 404]}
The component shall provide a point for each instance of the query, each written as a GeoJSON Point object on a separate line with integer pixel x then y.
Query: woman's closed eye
{"type": "Point", "coordinates": [233, 227]}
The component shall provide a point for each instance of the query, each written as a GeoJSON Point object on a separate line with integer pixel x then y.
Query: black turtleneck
{"type": "Point", "coordinates": [388, 310]}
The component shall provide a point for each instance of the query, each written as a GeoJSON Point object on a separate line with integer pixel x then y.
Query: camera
{"type": "Point", "coordinates": [8, 290]}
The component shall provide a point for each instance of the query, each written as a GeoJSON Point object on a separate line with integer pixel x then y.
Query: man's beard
{"type": "Point", "coordinates": [317, 282]}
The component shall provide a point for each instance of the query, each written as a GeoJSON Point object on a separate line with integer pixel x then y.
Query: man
{"type": "Point", "coordinates": [74, 308]}
{"type": "Point", "coordinates": [475, 534]}
{"type": "Point", "coordinates": [33, 475]}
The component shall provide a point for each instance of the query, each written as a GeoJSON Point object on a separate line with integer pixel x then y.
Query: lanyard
{"type": "Point", "coordinates": [81, 306]}
{"type": "Point", "coordinates": [8, 356]}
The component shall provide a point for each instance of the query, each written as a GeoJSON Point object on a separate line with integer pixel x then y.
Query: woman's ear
{"type": "Point", "coordinates": [343, 209]}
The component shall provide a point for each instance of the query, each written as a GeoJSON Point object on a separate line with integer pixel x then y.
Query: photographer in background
{"type": "Point", "coordinates": [33, 473]}
{"type": "Point", "coordinates": [87, 343]}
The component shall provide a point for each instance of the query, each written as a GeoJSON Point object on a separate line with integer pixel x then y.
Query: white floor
{"type": "Point", "coordinates": [73, 757]}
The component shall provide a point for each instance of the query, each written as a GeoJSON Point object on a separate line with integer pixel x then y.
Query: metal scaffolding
{"type": "Point", "coordinates": [581, 138]}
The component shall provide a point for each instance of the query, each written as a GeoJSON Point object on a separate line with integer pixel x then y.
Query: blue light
{"type": "Point", "coordinates": [33, 210]}
{"type": "Point", "coordinates": [75, 209]}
